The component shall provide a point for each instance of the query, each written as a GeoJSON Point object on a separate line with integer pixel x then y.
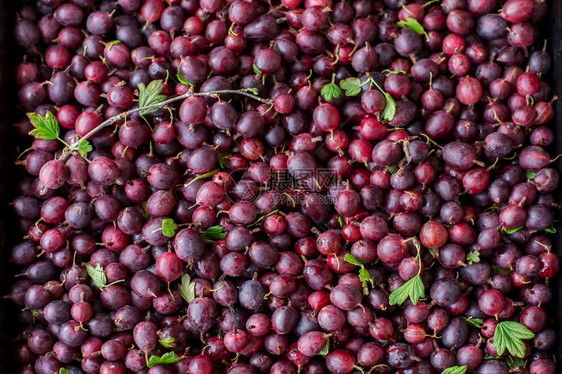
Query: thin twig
{"type": "Point", "coordinates": [112, 120]}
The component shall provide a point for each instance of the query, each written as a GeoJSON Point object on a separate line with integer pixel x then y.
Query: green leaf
{"type": "Point", "coordinates": [413, 289]}
{"type": "Point", "coordinates": [473, 257]}
{"type": "Point", "coordinates": [215, 229]}
{"type": "Point", "coordinates": [97, 274]}
{"type": "Point", "coordinates": [187, 288]}
{"type": "Point", "coordinates": [510, 335]}
{"type": "Point", "coordinates": [256, 70]}
{"type": "Point", "coordinates": [169, 227]}
{"type": "Point", "coordinates": [252, 90]}
{"type": "Point", "coordinates": [44, 127]}
{"type": "Point", "coordinates": [412, 24]}
{"type": "Point", "coordinates": [500, 270]}
{"type": "Point", "coordinates": [33, 314]}
{"type": "Point", "coordinates": [84, 147]}
{"type": "Point", "coordinates": [326, 348]}
{"type": "Point", "coordinates": [150, 95]}
{"type": "Point", "coordinates": [349, 258]}
{"type": "Point", "coordinates": [182, 80]}
{"type": "Point", "coordinates": [365, 276]}
{"type": "Point", "coordinates": [113, 42]}
{"type": "Point", "coordinates": [511, 231]}
{"type": "Point", "coordinates": [476, 322]}
{"type": "Point", "coordinates": [387, 71]}
{"type": "Point", "coordinates": [169, 342]}
{"type": "Point", "coordinates": [517, 329]}
{"type": "Point", "coordinates": [166, 359]}
{"type": "Point", "coordinates": [64, 371]}
{"type": "Point", "coordinates": [351, 86]}
{"type": "Point", "coordinates": [389, 110]}
{"type": "Point", "coordinates": [145, 214]}
{"type": "Point", "coordinates": [341, 221]}
{"type": "Point", "coordinates": [330, 91]}
{"type": "Point", "coordinates": [530, 174]}
{"type": "Point", "coordinates": [391, 169]}
{"type": "Point", "coordinates": [455, 370]}
{"type": "Point", "coordinates": [550, 230]}
{"type": "Point", "coordinates": [223, 159]}
{"type": "Point", "coordinates": [514, 363]}
{"type": "Point", "coordinates": [214, 233]}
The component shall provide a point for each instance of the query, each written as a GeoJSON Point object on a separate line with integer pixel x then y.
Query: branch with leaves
{"type": "Point", "coordinates": [47, 127]}
{"type": "Point", "coordinates": [150, 100]}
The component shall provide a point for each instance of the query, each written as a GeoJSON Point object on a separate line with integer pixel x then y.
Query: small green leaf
{"type": "Point", "coordinates": [510, 335]}
{"type": "Point", "coordinates": [330, 91]}
{"type": "Point", "coordinates": [349, 258]}
{"type": "Point", "coordinates": [45, 127]}
{"type": "Point", "coordinates": [169, 342]}
{"type": "Point", "coordinates": [500, 270]}
{"type": "Point", "coordinates": [326, 348]}
{"type": "Point", "coordinates": [476, 322]}
{"type": "Point", "coordinates": [214, 229]}
{"type": "Point", "coordinates": [387, 71]}
{"type": "Point", "coordinates": [412, 24]}
{"type": "Point", "coordinates": [187, 288]}
{"type": "Point", "coordinates": [389, 110]}
{"type": "Point", "coordinates": [351, 86]}
{"type": "Point", "coordinates": [511, 231]}
{"type": "Point", "coordinates": [150, 95]}
{"type": "Point", "coordinates": [391, 169]}
{"type": "Point", "coordinates": [473, 257]}
{"type": "Point", "coordinates": [97, 274]}
{"type": "Point", "coordinates": [223, 159]}
{"type": "Point", "coordinates": [169, 227]}
{"type": "Point", "coordinates": [455, 370]}
{"type": "Point", "coordinates": [256, 70]}
{"type": "Point", "coordinates": [113, 42]}
{"type": "Point", "coordinates": [145, 214]}
{"type": "Point", "coordinates": [33, 314]}
{"type": "Point", "coordinates": [413, 289]}
{"type": "Point", "coordinates": [514, 363]}
{"type": "Point", "coordinates": [252, 90]}
{"type": "Point", "coordinates": [341, 221]}
{"type": "Point", "coordinates": [550, 230]}
{"type": "Point", "coordinates": [365, 276]}
{"type": "Point", "coordinates": [84, 147]}
{"type": "Point", "coordinates": [530, 174]}
{"type": "Point", "coordinates": [182, 80]}
{"type": "Point", "coordinates": [166, 359]}
{"type": "Point", "coordinates": [214, 233]}
{"type": "Point", "coordinates": [64, 371]}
